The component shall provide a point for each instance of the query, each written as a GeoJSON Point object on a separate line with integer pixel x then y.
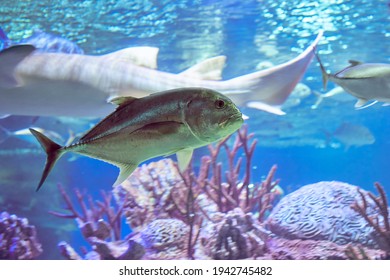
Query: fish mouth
{"type": "Point", "coordinates": [233, 118]}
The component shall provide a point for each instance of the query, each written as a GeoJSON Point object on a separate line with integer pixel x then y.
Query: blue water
{"type": "Point", "coordinates": [247, 32]}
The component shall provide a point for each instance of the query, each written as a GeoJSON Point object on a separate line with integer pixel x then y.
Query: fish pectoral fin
{"type": "Point", "coordinates": [209, 69]}
{"type": "Point", "coordinates": [125, 170]}
{"type": "Point", "coordinates": [265, 107]}
{"type": "Point", "coordinates": [362, 103]}
{"type": "Point", "coordinates": [121, 100]}
{"type": "Point", "coordinates": [141, 56]}
{"type": "Point", "coordinates": [9, 59]}
{"type": "Point", "coordinates": [183, 158]}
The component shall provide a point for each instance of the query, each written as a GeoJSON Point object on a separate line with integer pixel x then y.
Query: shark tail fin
{"type": "Point", "coordinates": [53, 152]}
{"type": "Point", "coordinates": [323, 71]}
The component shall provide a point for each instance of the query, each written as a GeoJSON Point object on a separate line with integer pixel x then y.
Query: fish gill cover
{"type": "Point", "coordinates": [321, 137]}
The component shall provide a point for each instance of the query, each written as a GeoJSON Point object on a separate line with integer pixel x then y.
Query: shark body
{"type": "Point", "coordinates": [58, 84]}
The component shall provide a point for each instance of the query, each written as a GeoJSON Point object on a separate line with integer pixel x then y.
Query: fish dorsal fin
{"type": "Point", "coordinates": [141, 56]}
{"type": "Point", "coordinates": [183, 158]}
{"type": "Point", "coordinates": [121, 100]}
{"type": "Point", "coordinates": [354, 62]}
{"type": "Point", "coordinates": [265, 107]}
{"type": "Point", "coordinates": [125, 170]}
{"type": "Point", "coordinates": [9, 59]}
{"type": "Point", "coordinates": [209, 69]}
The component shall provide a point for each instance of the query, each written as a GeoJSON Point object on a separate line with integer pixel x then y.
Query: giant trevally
{"type": "Point", "coordinates": [366, 81]}
{"type": "Point", "coordinates": [351, 134]}
{"type": "Point", "coordinates": [57, 84]}
{"type": "Point", "coordinates": [174, 121]}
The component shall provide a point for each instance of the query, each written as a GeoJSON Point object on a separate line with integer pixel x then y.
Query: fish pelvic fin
{"type": "Point", "coordinates": [325, 75]}
{"type": "Point", "coordinates": [53, 152]}
{"type": "Point", "coordinates": [125, 171]}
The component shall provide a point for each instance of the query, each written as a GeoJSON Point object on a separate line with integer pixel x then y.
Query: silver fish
{"type": "Point", "coordinates": [174, 121]}
{"type": "Point", "coordinates": [366, 81]}
{"type": "Point", "coordinates": [57, 84]}
{"type": "Point", "coordinates": [351, 134]}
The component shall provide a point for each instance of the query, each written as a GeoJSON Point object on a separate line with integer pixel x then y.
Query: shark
{"type": "Point", "coordinates": [78, 85]}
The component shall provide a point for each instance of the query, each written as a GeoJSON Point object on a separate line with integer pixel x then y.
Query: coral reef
{"type": "Point", "coordinates": [172, 212]}
{"type": "Point", "coordinates": [322, 211]}
{"type": "Point", "coordinates": [100, 225]}
{"type": "Point", "coordinates": [18, 239]}
{"type": "Point", "coordinates": [230, 236]}
{"type": "Point", "coordinates": [214, 211]}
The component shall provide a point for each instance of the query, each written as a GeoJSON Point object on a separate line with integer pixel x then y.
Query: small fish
{"type": "Point", "coordinates": [366, 81]}
{"type": "Point", "coordinates": [350, 134]}
{"type": "Point", "coordinates": [44, 42]}
{"type": "Point", "coordinates": [161, 124]}
{"type": "Point", "coordinates": [58, 84]}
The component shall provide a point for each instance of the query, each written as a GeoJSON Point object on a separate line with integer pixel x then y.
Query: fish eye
{"type": "Point", "coordinates": [219, 103]}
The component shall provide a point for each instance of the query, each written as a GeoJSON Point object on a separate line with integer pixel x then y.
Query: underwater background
{"type": "Point", "coordinates": [308, 144]}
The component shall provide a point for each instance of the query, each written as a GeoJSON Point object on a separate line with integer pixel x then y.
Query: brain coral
{"type": "Point", "coordinates": [164, 239]}
{"type": "Point", "coordinates": [163, 233]}
{"type": "Point", "coordinates": [322, 211]}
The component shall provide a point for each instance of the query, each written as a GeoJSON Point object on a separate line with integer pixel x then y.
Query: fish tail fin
{"type": "Point", "coordinates": [320, 98]}
{"type": "Point", "coordinates": [323, 71]}
{"type": "Point", "coordinates": [53, 152]}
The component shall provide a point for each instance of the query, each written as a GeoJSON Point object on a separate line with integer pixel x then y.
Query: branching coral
{"type": "Point", "coordinates": [380, 220]}
{"type": "Point", "coordinates": [232, 192]}
{"type": "Point", "coordinates": [98, 222]}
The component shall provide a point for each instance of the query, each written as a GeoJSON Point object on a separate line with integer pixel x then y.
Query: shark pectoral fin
{"type": "Point", "coordinates": [209, 69]}
{"type": "Point", "coordinates": [183, 158]}
{"type": "Point", "coordinates": [121, 100]}
{"type": "Point", "coordinates": [141, 56]}
{"type": "Point", "coordinates": [9, 59]}
{"type": "Point", "coordinates": [265, 107]}
{"type": "Point", "coordinates": [125, 170]}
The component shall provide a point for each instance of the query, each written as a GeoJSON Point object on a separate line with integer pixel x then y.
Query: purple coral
{"type": "Point", "coordinates": [379, 221]}
{"type": "Point", "coordinates": [18, 239]}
